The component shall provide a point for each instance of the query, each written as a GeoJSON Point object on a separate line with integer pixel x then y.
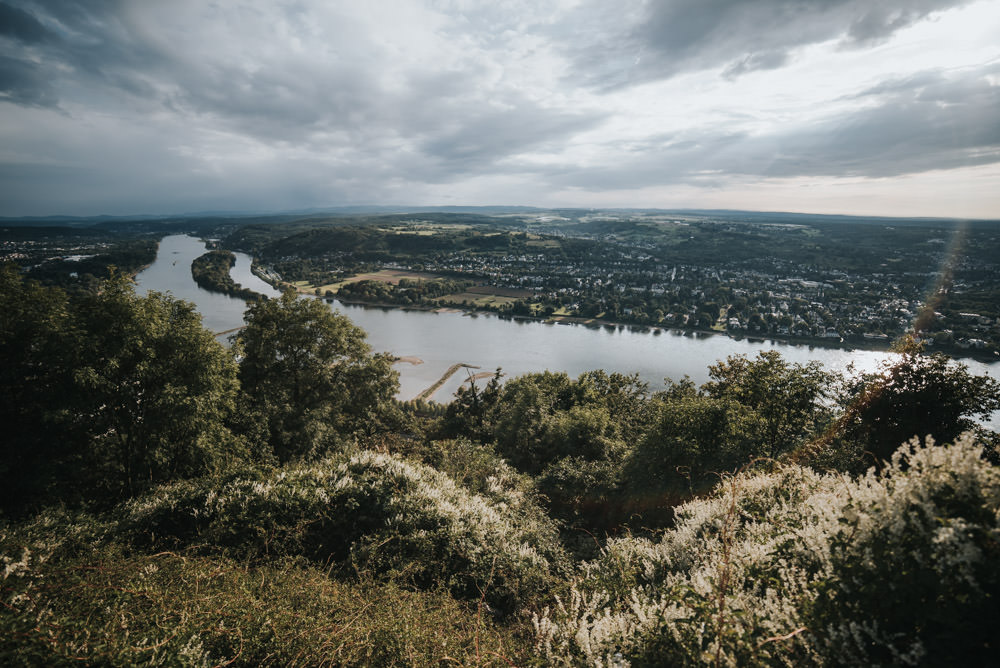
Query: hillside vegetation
{"type": "Point", "coordinates": [169, 501]}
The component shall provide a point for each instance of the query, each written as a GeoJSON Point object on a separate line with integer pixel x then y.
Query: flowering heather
{"type": "Point", "coordinates": [790, 567]}
{"type": "Point", "coordinates": [366, 511]}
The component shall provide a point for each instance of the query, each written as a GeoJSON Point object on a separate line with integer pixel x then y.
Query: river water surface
{"type": "Point", "coordinates": [489, 342]}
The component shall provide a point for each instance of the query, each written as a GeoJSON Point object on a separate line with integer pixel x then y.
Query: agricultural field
{"type": "Point", "coordinates": [486, 295]}
{"type": "Point", "coordinates": [386, 276]}
{"type": "Point", "coordinates": [476, 299]}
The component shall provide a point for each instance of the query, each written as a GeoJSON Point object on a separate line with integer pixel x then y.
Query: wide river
{"type": "Point", "coordinates": [443, 339]}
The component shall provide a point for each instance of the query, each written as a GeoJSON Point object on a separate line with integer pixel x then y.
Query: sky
{"type": "Point", "coordinates": [866, 107]}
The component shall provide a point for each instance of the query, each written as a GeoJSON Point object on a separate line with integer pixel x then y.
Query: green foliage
{"type": "Point", "coordinates": [154, 389]}
{"type": "Point", "coordinates": [407, 292]}
{"type": "Point", "coordinates": [539, 418]}
{"type": "Point", "coordinates": [211, 272]}
{"type": "Point", "coordinates": [750, 409]}
{"type": "Point", "coordinates": [695, 439]}
{"type": "Point", "coordinates": [573, 435]}
{"type": "Point", "coordinates": [424, 408]}
{"type": "Point", "coordinates": [308, 376]}
{"type": "Point", "coordinates": [917, 395]}
{"type": "Point", "coordinates": [470, 412]}
{"type": "Point", "coordinates": [364, 558]}
{"type": "Point", "coordinates": [523, 415]}
{"type": "Point", "coordinates": [365, 511]}
{"type": "Point", "coordinates": [789, 400]}
{"type": "Point", "coordinates": [109, 393]}
{"type": "Point", "coordinates": [790, 567]}
{"type": "Point", "coordinates": [480, 470]}
{"type": "Point", "coordinates": [583, 493]}
{"type": "Point", "coordinates": [100, 255]}
{"type": "Point", "coordinates": [35, 329]}
{"type": "Point", "coordinates": [912, 568]}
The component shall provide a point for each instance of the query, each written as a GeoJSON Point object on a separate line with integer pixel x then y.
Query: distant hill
{"type": "Point", "coordinates": [303, 215]}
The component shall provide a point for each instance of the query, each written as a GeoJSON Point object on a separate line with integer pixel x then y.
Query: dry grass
{"type": "Point", "coordinates": [105, 608]}
{"type": "Point", "coordinates": [516, 293]}
{"type": "Point", "coordinates": [389, 276]}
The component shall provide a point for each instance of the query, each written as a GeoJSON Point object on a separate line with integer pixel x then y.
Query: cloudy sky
{"type": "Point", "coordinates": [833, 106]}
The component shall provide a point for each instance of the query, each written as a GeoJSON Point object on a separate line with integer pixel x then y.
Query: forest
{"type": "Point", "coordinates": [166, 499]}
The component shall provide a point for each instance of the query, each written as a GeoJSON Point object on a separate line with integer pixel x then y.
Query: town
{"type": "Point", "coordinates": [832, 282]}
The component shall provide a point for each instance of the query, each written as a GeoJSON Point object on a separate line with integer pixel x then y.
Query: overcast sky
{"type": "Point", "coordinates": [885, 107]}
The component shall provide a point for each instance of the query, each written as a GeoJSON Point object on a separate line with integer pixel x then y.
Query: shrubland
{"type": "Point", "coordinates": [787, 566]}
{"type": "Point", "coordinates": [168, 500]}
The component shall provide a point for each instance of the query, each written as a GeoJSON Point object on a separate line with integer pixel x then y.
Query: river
{"type": "Point", "coordinates": [486, 341]}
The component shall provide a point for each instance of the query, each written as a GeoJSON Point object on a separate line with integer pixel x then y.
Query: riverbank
{"type": "Point", "coordinates": [811, 342]}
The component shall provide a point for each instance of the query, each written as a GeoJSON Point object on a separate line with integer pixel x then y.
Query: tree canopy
{"type": "Point", "coordinates": [309, 376]}
{"type": "Point", "coordinates": [109, 393]}
{"type": "Point", "coordinates": [155, 388]}
{"type": "Point", "coordinates": [915, 395]}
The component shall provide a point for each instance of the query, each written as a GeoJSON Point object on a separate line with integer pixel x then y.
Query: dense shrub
{"type": "Point", "coordinates": [479, 469]}
{"type": "Point", "coordinates": [789, 567]}
{"type": "Point", "coordinates": [539, 418]}
{"type": "Point", "coordinates": [366, 511]}
{"type": "Point", "coordinates": [914, 395]}
{"type": "Point", "coordinates": [582, 493]}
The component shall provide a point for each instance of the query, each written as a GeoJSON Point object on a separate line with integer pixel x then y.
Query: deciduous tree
{"type": "Point", "coordinates": [790, 400]}
{"type": "Point", "coordinates": [914, 395]}
{"type": "Point", "coordinates": [154, 389]}
{"type": "Point", "coordinates": [308, 375]}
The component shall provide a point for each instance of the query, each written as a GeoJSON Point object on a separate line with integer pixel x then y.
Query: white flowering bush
{"type": "Point", "coordinates": [366, 511]}
{"type": "Point", "coordinates": [789, 567]}
{"type": "Point", "coordinates": [915, 563]}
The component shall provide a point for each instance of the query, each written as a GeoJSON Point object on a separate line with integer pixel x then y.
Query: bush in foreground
{"type": "Point", "coordinates": [789, 567]}
{"type": "Point", "coordinates": [365, 512]}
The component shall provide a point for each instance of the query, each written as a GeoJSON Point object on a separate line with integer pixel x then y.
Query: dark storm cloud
{"type": "Point", "coordinates": [666, 38]}
{"type": "Point", "coordinates": [189, 105]}
{"type": "Point", "coordinates": [286, 99]}
{"type": "Point", "coordinates": [25, 83]}
{"type": "Point", "coordinates": [342, 126]}
{"type": "Point", "coordinates": [21, 25]}
{"type": "Point", "coordinates": [86, 44]}
{"type": "Point", "coordinates": [489, 137]}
